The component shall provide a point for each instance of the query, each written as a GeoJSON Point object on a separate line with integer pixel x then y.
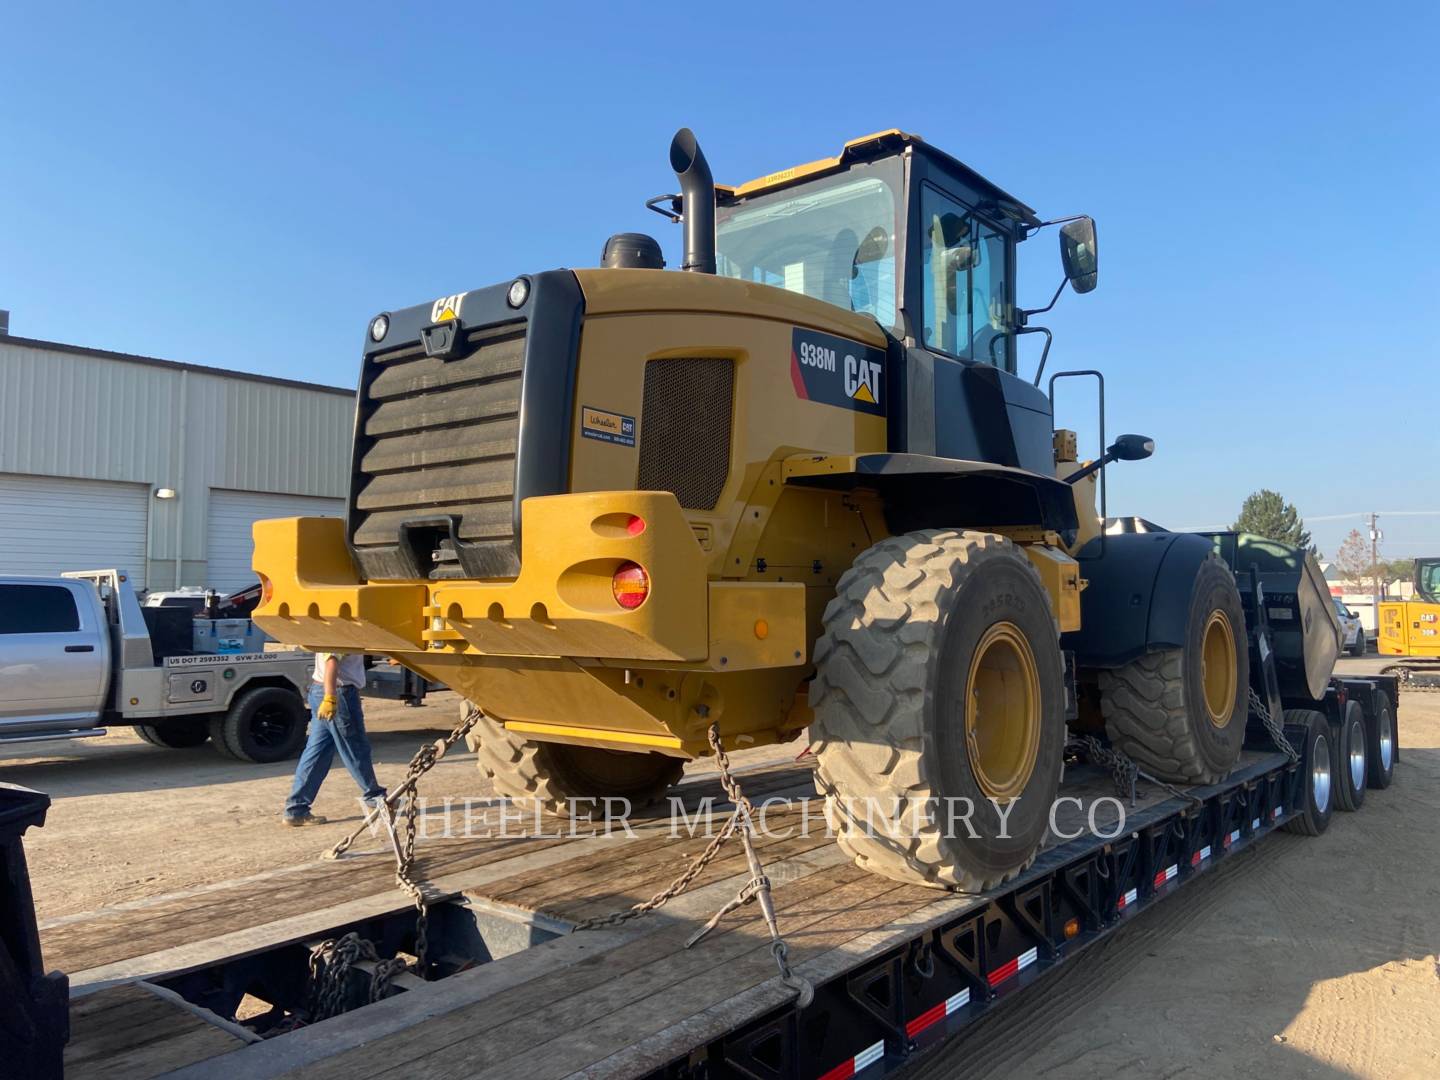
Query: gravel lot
{"type": "Point", "coordinates": [1301, 958]}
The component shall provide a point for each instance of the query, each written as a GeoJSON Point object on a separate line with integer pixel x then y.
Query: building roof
{"type": "Point", "coordinates": [176, 365]}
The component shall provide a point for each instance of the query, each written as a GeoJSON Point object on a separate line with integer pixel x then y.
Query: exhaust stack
{"type": "Point", "coordinates": [697, 185]}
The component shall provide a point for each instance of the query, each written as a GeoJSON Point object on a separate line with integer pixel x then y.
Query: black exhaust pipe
{"type": "Point", "coordinates": [697, 185]}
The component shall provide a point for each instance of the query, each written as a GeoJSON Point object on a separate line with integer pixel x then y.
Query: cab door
{"type": "Point", "coordinates": [54, 653]}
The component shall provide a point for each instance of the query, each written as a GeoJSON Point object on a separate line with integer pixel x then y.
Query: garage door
{"type": "Point", "coordinates": [229, 544]}
{"type": "Point", "coordinates": [49, 524]}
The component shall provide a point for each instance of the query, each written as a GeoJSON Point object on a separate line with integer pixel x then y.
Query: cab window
{"type": "Point", "coordinates": [966, 274]}
{"type": "Point", "coordinates": [37, 609]}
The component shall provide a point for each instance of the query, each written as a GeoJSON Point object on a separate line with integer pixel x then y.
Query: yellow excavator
{"type": "Point", "coordinates": [799, 484]}
{"type": "Point", "coordinates": [1411, 629]}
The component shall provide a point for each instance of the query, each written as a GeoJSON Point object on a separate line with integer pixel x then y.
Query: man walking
{"type": "Point", "coordinates": [336, 724]}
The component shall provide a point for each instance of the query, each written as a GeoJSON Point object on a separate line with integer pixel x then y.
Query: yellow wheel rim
{"type": "Point", "coordinates": [1217, 666]}
{"type": "Point", "coordinates": [1002, 712]}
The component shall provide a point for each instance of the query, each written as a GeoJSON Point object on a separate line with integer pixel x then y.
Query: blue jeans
{"type": "Point", "coordinates": [345, 732]}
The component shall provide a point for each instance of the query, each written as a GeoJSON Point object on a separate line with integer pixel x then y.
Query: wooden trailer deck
{"type": "Point", "coordinates": [612, 1002]}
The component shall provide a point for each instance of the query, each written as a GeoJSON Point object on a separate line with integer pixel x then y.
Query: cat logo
{"type": "Point", "coordinates": [862, 380]}
{"type": "Point", "coordinates": [447, 308]}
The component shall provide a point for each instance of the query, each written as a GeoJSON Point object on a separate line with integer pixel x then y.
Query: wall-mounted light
{"type": "Point", "coordinates": [164, 493]}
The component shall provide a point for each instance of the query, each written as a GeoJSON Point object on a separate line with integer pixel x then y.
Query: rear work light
{"type": "Point", "coordinates": [631, 585]}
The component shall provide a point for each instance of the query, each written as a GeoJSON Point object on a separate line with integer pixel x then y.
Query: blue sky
{"type": "Point", "coordinates": [245, 190]}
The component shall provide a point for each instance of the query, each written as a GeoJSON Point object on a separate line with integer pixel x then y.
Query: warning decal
{"type": "Point", "coordinates": [837, 371]}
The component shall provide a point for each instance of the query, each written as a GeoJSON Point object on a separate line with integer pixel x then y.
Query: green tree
{"type": "Point", "coordinates": [1267, 513]}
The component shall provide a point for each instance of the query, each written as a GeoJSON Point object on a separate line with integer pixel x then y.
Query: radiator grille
{"type": "Point", "coordinates": [685, 429]}
{"type": "Point", "coordinates": [438, 437]}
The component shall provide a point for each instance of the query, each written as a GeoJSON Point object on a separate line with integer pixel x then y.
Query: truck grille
{"type": "Point", "coordinates": [437, 439]}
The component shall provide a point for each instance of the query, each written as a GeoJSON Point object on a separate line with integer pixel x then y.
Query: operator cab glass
{"type": "Point", "coordinates": [831, 238]}
{"type": "Point", "coordinates": [965, 275]}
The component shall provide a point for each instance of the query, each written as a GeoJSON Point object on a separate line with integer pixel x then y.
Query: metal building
{"type": "Point", "coordinates": [157, 467]}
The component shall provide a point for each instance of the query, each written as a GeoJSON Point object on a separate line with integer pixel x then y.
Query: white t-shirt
{"type": "Point", "coordinates": [351, 673]}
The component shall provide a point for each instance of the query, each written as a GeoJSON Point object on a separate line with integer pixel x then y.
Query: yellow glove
{"type": "Point", "coordinates": [327, 707]}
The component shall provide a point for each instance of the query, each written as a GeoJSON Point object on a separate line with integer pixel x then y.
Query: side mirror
{"type": "Point", "coordinates": [1078, 254]}
{"type": "Point", "coordinates": [1131, 448]}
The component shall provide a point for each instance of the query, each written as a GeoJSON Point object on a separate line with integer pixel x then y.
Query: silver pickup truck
{"type": "Point", "coordinates": [78, 653]}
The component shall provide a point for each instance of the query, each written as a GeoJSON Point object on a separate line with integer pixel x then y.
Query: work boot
{"type": "Point", "coordinates": [302, 820]}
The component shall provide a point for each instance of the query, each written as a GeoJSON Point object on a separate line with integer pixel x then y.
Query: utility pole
{"type": "Point", "coordinates": [1375, 537]}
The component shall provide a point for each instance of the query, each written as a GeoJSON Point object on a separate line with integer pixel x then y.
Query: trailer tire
{"type": "Point", "coordinates": [925, 631]}
{"type": "Point", "coordinates": [1317, 759]}
{"type": "Point", "coordinates": [263, 725]}
{"type": "Point", "coordinates": [569, 781]}
{"type": "Point", "coordinates": [1180, 713]}
{"type": "Point", "coordinates": [1380, 744]}
{"type": "Point", "coordinates": [1351, 758]}
{"type": "Point", "coordinates": [175, 735]}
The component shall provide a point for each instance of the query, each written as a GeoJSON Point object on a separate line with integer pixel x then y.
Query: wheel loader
{"type": "Point", "coordinates": [799, 484]}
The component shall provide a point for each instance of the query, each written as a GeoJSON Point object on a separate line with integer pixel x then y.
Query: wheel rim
{"type": "Point", "coordinates": [1217, 665]}
{"type": "Point", "coordinates": [1387, 740]}
{"type": "Point", "coordinates": [1320, 773]}
{"type": "Point", "coordinates": [270, 726]}
{"type": "Point", "coordinates": [1357, 756]}
{"type": "Point", "coordinates": [1002, 712]}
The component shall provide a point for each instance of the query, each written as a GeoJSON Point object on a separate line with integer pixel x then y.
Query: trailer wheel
{"type": "Point", "coordinates": [175, 735]}
{"type": "Point", "coordinates": [568, 780]}
{"type": "Point", "coordinates": [1350, 757]}
{"type": "Point", "coordinates": [264, 724]}
{"type": "Point", "coordinates": [1380, 742]}
{"type": "Point", "coordinates": [939, 692]}
{"type": "Point", "coordinates": [1180, 713]}
{"type": "Point", "coordinates": [1317, 758]}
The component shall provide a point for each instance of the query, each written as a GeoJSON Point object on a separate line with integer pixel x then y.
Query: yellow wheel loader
{"type": "Point", "coordinates": [798, 484]}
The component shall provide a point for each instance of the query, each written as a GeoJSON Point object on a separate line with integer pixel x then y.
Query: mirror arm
{"type": "Point", "coordinates": [1053, 301]}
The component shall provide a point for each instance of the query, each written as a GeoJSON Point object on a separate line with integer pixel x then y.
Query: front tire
{"type": "Point", "coordinates": [1358, 647]}
{"type": "Point", "coordinates": [939, 687]}
{"type": "Point", "coordinates": [570, 781]}
{"type": "Point", "coordinates": [1180, 713]}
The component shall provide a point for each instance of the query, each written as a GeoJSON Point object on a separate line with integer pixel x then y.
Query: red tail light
{"type": "Point", "coordinates": [266, 590]}
{"type": "Point", "coordinates": [635, 525]}
{"type": "Point", "coordinates": [631, 585]}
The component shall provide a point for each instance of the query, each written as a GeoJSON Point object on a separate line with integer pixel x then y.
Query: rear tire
{"type": "Point", "coordinates": [931, 635]}
{"type": "Point", "coordinates": [570, 781]}
{"type": "Point", "coordinates": [1180, 713]}
{"type": "Point", "coordinates": [1380, 745]}
{"type": "Point", "coordinates": [1317, 763]}
{"type": "Point", "coordinates": [175, 734]}
{"type": "Point", "coordinates": [264, 725]}
{"type": "Point", "coordinates": [1350, 759]}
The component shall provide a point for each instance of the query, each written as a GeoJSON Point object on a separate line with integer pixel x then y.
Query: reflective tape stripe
{"type": "Point", "coordinates": [1255, 824]}
{"type": "Point", "coordinates": [1166, 875]}
{"type": "Point", "coordinates": [1128, 899]}
{"type": "Point", "coordinates": [1200, 856]}
{"type": "Point", "coordinates": [1013, 967]}
{"type": "Point", "coordinates": [1235, 835]}
{"type": "Point", "coordinates": [933, 1016]}
{"type": "Point", "coordinates": [847, 1069]}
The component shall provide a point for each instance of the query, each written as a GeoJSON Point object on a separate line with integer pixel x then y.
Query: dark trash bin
{"type": "Point", "coordinates": [34, 1019]}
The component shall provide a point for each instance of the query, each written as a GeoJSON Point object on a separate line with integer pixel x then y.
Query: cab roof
{"type": "Point", "coordinates": [879, 144]}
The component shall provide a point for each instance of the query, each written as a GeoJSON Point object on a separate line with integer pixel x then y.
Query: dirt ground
{"type": "Point", "coordinates": [1299, 958]}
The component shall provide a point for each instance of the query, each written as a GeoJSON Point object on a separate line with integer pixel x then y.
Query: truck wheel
{"type": "Point", "coordinates": [1180, 713]}
{"type": "Point", "coordinates": [263, 725]}
{"type": "Point", "coordinates": [568, 780]}
{"type": "Point", "coordinates": [939, 691]}
{"type": "Point", "coordinates": [1358, 649]}
{"type": "Point", "coordinates": [175, 735]}
{"type": "Point", "coordinates": [1380, 743]}
{"type": "Point", "coordinates": [1317, 760]}
{"type": "Point", "coordinates": [1350, 759]}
